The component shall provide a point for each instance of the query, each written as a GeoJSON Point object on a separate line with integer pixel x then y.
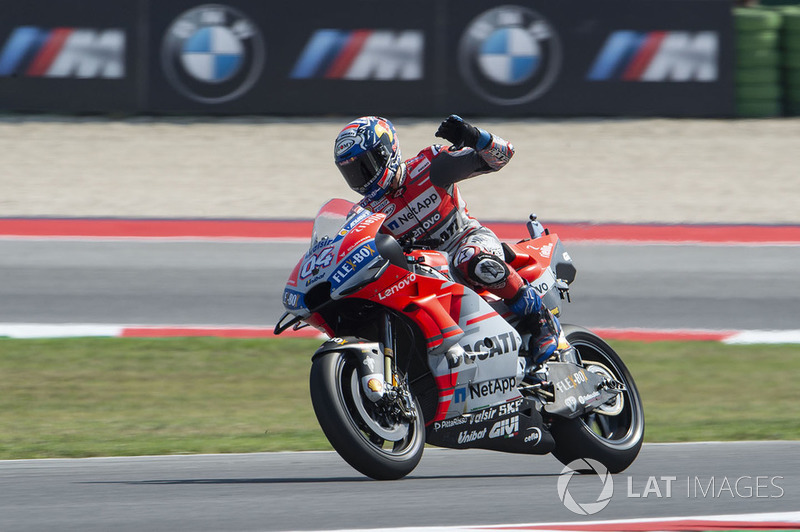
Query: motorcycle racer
{"type": "Point", "coordinates": [421, 199]}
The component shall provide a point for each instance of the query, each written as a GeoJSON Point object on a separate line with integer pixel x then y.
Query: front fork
{"type": "Point", "coordinates": [403, 396]}
{"type": "Point", "coordinates": [389, 347]}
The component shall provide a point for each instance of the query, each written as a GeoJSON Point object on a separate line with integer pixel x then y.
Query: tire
{"type": "Point", "coordinates": [792, 77]}
{"type": "Point", "coordinates": [614, 440]}
{"type": "Point", "coordinates": [761, 91]}
{"type": "Point", "coordinates": [750, 40]}
{"type": "Point", "coordinates": [791, 20]}
{"type": "Point", "coordinates": [791, 42]}
{"type": "Point", "coordinates": [791, 60]}
{"type": "Point", "coordinates": [758, 108]}
{"type": "Point", "coordinates": [351, 422]}
{"type": "Point", "coordinates": [764, 58]}
{"type": "Point", "coordinates": [749, 19]}
{"type": "Point", "coordinates": [757, 75]}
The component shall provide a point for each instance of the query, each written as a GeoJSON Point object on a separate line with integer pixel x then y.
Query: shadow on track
{"type": "Point", "coordinates": [204, 481]}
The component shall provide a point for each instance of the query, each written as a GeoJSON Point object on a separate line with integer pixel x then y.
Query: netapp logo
{"type": "Point", "coordinates": [64, 53]}
{"type": "Point", "coordinates": [361, 55]}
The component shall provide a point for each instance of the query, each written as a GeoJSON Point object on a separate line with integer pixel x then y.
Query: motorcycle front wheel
{"type": "Point", "coordinates": [376, 440]}
{"type": "Point", "coordinates": [613, 433]}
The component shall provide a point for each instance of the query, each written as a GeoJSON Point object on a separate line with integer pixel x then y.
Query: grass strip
{"type": "Point", "coordinates": [126, 396]}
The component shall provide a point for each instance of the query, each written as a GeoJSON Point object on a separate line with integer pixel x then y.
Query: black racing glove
{"type": "Point", "coordinates": [458, 133]}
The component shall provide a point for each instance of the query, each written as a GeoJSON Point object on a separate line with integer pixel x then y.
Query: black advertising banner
{"type": "Point", "coordinates": [584, 57]}
{"type": "Point", "coordinates": [356, 57]}
{"type": "Point", "coordinates": [76, 56]}
{"type": "Point", "coordinates": [248, 57]}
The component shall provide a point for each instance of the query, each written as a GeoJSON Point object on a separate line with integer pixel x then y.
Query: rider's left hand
{"type": "Point", "coordinates": [458, 132]}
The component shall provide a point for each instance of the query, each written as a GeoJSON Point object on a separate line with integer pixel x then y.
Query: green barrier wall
{"type": "Point", "coordinates": [767, 61]}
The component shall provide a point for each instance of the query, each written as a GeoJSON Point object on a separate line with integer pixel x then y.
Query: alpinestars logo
{"type": "Point", "coordinates": [213, 53]}
{"type": "Point", "coordinates": [362, 54]}
{"type": "Point", "coordinates": [676, 56]}
{"type": "Point", "coordinates": [64, 53]}
{"type": "Point", "coordinates": [510, 55]}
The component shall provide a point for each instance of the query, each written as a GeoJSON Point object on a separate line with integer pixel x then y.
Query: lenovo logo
{"type": "Point", "coordinates": [361, 55]}
{"type": "Point", "coordinates": [657, 56]}
{"type": "Point", "coordinates": [63, 53]}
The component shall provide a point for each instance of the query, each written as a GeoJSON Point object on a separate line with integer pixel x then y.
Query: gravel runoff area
{"type": "Point", "coordinates": [619, 170]}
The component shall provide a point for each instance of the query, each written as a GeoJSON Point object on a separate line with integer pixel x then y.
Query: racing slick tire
{"type": "Point", "coordinates": [375, 439]}
{"type": "Point", "coordinates": [613, 433]}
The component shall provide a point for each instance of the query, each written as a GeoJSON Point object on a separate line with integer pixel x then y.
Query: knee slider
{"type": "Point", "coordinates": [487, 270]}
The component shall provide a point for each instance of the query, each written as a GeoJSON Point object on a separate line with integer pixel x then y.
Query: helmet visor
{"type": "Point", "coordinates": [363, 169]}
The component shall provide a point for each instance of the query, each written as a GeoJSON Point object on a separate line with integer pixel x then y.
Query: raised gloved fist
{"type": "Point", "coordinates": [457, 132]}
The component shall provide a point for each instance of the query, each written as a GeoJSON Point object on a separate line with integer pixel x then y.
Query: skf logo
{"type": "Point", "coordinates": [213, 53]}
{"type": "Point", "coordinates": [64, 53]}
{"type": "Point", "coordinates": [362, 54]}
{"type": "Point", "coordinates": [657, 56]}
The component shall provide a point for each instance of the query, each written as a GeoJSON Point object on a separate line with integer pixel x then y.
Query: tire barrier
{"type": "Point", "coordinates": [758, 61]}
{"type": "Point", "coordinates": [767, 61]}
{"type": "Point", "coordinates": [790, 47]}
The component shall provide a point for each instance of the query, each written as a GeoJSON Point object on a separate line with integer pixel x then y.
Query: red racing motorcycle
{"type": "Point", "coordinates": [416, 357]}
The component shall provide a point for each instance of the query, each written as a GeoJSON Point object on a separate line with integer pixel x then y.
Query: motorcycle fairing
{"type": "Point", "coordinates": [577, 390]}
{"type": "Point", "coordinates": [512, 426]}
{"type": "Point", "coordinates": [486, 372]}
{"type": "Point", "coordinates": [545, 264]}
{"type": "Point", "coordinates": [369, 362]}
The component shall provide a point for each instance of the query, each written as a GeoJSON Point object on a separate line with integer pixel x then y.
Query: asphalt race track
{"type": "Point", "coordinates": [239, 283]}
{"type": "Point", "coordinates": [318, 491]}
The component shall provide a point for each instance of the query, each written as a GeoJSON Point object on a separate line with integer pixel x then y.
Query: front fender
{"type": "Point", "coordinates": [369, 362]}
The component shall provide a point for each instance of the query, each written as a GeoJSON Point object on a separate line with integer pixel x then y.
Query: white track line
{"type": "Point", "coordinates": [72, 330]}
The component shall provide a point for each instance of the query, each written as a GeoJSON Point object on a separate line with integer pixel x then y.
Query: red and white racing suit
{"type": "Point", "coordinates": [426, 204]}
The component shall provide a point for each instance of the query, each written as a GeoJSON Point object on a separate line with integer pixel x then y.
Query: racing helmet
{"type": "Point", "coordinates": [367, 154]}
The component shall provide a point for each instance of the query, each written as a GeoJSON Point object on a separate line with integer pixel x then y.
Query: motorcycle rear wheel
{"type": "Point", "coordinates": [379, 446]}
{"type": "Point", "coordinates": [612, 434]}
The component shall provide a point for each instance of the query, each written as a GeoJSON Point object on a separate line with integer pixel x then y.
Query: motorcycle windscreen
{"type": "Point", "coordinates": [331, 217]}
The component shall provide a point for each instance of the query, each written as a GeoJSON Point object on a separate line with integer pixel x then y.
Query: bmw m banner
{"type": "Point", "coordinates": [584, 57]}
{"type": "Point", "coordinates": [524, 58]}
{"type": "Point", "coordinates": [249, 57]}
{"type": "Point", "coordinates": [73, 56]}
{"type": "Point", "coordinates": [356, 57]}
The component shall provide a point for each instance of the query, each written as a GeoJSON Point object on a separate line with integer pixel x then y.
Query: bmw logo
{"type": "Point", "coordinates": [212, 53]}
{"type": "Point", "coordinates": [510, 55]}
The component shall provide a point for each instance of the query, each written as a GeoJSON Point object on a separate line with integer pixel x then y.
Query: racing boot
{"type": "Point", "coordinates": [546, 334]}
